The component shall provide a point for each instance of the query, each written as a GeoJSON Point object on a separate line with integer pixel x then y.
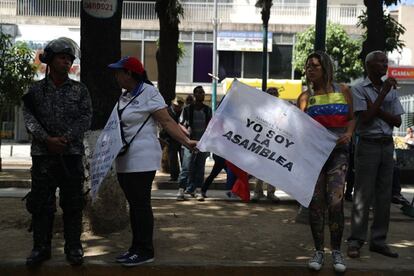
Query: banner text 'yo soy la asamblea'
{"type": "Point", "coordinates": [270, 139]}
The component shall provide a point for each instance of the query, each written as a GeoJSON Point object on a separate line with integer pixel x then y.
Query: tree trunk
{"type": "Point", "coordinates": [1, 133]}
{"type": "Point", "coordinates": [100, 46]}
{"type": "Point", "coordinates": [167, 52]}
{"type": "Point", "coordinates": [375, 28]}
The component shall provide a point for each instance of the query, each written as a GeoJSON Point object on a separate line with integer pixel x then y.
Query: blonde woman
{"type": "Point", "coordinates": [331, 105]}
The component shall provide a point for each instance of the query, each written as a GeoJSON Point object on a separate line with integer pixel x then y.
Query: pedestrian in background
{"type": "Point", "coordinates": [173, 147]}
{"type": "Point", "coordinates": [139, 108]}
{"type": "Point", "coordinates": [378, 110]}
{"type": "Point", "coordinates": [195, 118]}
{"type": "Point", "coordinates": [331, 105]}
{"type": "Point", "coordinates": [57, 111]}
{"type": "Point", "coordinates": [258, 190]}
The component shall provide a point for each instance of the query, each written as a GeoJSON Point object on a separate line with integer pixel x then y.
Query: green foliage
{"type": "Point", "coordinates": [172, 8]}
{"type": "Point", "coordinates": [339, 45]}
{"type": "Point", "coordinates": [393, 31]}
{"type": "Point", "coordinates": [16, 70]}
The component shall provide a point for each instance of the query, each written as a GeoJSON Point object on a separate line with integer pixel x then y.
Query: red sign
{"type": "Point", "coordinates": [401, 73]}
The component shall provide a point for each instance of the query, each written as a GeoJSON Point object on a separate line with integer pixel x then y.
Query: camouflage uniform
{"type": "Point", "coordinates": [51, 111]}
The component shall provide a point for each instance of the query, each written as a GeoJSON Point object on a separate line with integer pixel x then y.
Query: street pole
{"type": "Point", "coordinates": [265, 18]}
{"type": "Point", "coordinates": [214, 77]}
{"type": "Point", "coordinates": [264, 58]}
{"type": "Point", "coordinates": [320, 26]}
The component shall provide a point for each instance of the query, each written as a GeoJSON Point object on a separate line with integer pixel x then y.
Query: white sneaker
{"type": "Point", "coordinates": [256, 197]}
{"type": "Point", "coordinates": [317, 260]}
{"type": "Point", "coordinates": [180, 195]}
{"type": "Point", "coordinates": [338, 261]}
{"type": "Point", "coordinates": [200, 197]}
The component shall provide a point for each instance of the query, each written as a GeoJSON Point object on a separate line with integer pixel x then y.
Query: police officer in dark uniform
{"type": "Point", "coordinates": [57, 111]}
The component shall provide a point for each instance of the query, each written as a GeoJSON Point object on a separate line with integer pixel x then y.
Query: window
{"type": "Point", "coordinates": [252, 65]}
{"type": "Point", "coordinates": [131, 48]}
{"type": "Point", "coordinates": [229, 64]}
{"type": "Point", "coordinates": [184, 67]}
{"type": "Point", "coordinates": [151, 34]}
{"type": "Point", "coordinates": [280, 62]}
{"type": "Point", "coordinates": [203, 62]}
{"type": "Point", "coordinates": [186, 36]}
{"type": "Point", "coordinates": [150, 61]}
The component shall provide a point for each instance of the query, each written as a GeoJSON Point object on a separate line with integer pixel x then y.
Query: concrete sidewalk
{"type": "Point", "coordinates": [215, 237]}
{"type": "Point", "coordinates": [220, 236]}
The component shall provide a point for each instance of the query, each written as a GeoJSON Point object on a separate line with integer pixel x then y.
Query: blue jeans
{"type": "Point", "coordinates": [196, 171]}
{"type": "Point", "coordinates": [185, 167]}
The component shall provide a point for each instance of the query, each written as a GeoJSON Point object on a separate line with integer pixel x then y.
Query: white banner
{"type": "Point", "coordinates": [106, 149]}
{"type": "Point", "coordinates": [269, 138]}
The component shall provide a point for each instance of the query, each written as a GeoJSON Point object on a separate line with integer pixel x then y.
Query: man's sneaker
{"type": "Point", "coordinates": [338, 261]}
{"type": "Point", "coordinates": [123, 257]}
{"type": "Point", "coordinates": [399, 199]}
{"type": "Point", "coordinates": [135, 260]}
{"type": "Point", "coordinates": [180, 195]}
{"type": "Point", "coordinates": [200, 197]}
{"type": "Point", "coordinates": [231, 195]}
{"type": "Point", "coordinates": [273, 198]}
{"type": "Point", "coordinates": [256, 197]}
{"type": "Point", "coordinates": [317, 260]}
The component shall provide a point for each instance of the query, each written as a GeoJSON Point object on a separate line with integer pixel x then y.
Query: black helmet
{"type": "Point", "coordinates": [58, 46]}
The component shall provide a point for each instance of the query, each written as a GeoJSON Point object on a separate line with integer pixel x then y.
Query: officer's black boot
{"type": "Point", "coordinates": [72, 233]}
{"type": "Point", "coordinates": [41, 243]}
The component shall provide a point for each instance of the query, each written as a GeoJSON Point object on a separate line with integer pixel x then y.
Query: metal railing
{"type": "Point", "coordinates": [407, 119]}
{"type": "Point", "coordinates": [15, 10]}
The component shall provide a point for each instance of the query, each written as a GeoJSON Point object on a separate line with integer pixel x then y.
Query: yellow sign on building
{"type": "Point", "coordinates": [288, 89]}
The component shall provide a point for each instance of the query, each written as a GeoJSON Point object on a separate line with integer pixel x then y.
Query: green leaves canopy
{"type": "Point", "coordinates": [339, 45]}
{"type": "Point", "coordinates": [16, 70]}
{"type": "Point", "coordinates": [393, 31]}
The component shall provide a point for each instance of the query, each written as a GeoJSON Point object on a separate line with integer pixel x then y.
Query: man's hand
{"type": "Point", "coordinates": [56, 145]}
{"type": "Point", "coordinates": [192, 145]}
{"type": "Point", "coordinates": [388, 84]}
{"type": "Point", "coordinates": [344, 139]}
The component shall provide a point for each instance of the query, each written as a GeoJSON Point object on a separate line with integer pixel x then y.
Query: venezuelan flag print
{"type": "Point", "coordinates": [330, 110]}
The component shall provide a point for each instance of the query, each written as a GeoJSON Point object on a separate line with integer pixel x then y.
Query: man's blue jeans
{"type": "Point", "coordinates": [196, 170]}
{"type": "Point", "coordinates": [185, 166]}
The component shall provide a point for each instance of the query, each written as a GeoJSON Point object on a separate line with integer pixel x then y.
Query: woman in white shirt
{"type": "Point", "coordinates": [140, 107]}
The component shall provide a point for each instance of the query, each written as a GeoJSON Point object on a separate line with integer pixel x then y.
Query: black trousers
{"type": "Point", "coordinates": [219, 164]}
{"type": "Point", "coordinates": [48, 173]}
{"type": "Point", "coordinates": [137, 190]}
{"type": "Point", "coordinates": [174, 149]}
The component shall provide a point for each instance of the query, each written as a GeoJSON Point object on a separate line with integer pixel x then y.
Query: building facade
{"type": "Point", "coordinates": [239, 36]}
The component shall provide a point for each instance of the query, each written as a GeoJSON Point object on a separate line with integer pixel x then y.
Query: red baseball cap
{"type": "Point", "coordinates": [129, 63]}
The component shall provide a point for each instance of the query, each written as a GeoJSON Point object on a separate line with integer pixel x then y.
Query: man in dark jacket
{"type": "Point", "coordinates": [195, 118]}
{"type": "Point", "coordinates": [174, 147]}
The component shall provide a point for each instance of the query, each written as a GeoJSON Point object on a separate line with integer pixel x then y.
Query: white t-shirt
{"type": "Point", "coordinates": [144, 153]}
